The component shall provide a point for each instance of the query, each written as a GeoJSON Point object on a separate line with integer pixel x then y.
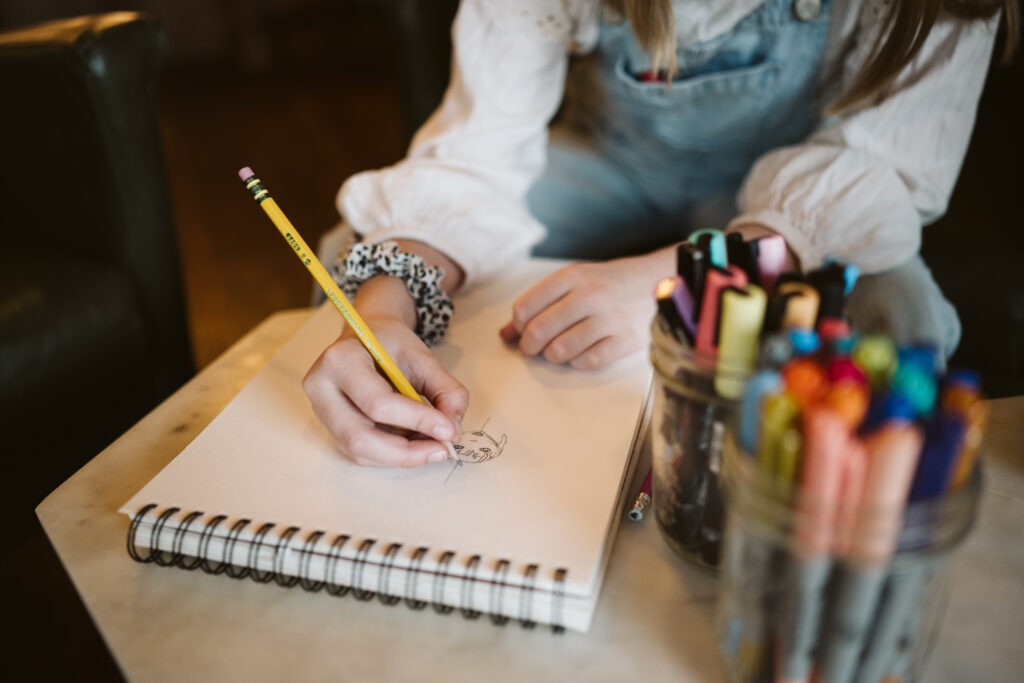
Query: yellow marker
{"type": "Point", "coordinates": [326, 282]}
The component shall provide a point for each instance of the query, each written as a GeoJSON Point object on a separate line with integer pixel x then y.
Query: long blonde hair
{"type": "Point", "coordinates": [907, 24]}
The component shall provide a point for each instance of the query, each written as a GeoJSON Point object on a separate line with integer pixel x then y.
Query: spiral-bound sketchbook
{"type": "Point", "coordinates": [520, 531]}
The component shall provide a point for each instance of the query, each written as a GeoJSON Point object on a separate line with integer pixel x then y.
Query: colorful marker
{"type": "Point", "coordinates": [712, 243]}
{"type": "Point", "coordinates": [739, 329]}
{"type": "Point", "coordinates": [717, 279]}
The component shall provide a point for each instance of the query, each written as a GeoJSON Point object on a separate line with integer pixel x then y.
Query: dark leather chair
{"type": "Point", "coordinates": [93, 330]}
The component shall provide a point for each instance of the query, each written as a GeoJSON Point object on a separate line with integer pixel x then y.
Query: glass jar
{"type": "Point", "coordinates": [784, 613]}
{"type": "Point", "coordinates": [695, 396]}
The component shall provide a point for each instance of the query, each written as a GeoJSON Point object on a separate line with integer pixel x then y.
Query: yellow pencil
{"type": "Point", "coordinates": [326, 282]}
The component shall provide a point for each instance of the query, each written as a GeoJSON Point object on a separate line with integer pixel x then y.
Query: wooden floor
{"type": "Point", "coordinates": [303, 132]}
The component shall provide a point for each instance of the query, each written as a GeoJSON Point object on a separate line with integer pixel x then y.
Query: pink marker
{"type": "Point", "coordinates": [826, 446]}
{"type": "Point", "coordinates": [893, 451]}
{"type": "Point", "coordinates": [772, 254]}
{"type": "Point", "coordinates": [852, 491]}
{"type": "Point", "coordinates": [824, 471]}
{"type": "Point", "coordinates": [715, 281]}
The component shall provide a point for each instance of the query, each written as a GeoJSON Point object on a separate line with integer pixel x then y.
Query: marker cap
{"type": "Point", "coordinates": [876, 354]}
{"type": "Point", "coordinates": [776, 350]}
{"type": "Point", "coordinates": [887, 405]}
{"type": "Point", "coordinates": [924, 356]}
{"type": "Point", "coordinates": [804, 341]}
{"type": "Point", "coordinates": [712, 243]}
{"type": "Point", "coordinates": [917, 385]}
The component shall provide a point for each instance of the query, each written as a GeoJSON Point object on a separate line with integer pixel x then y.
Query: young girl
{"type": "Point", "coordinates": [839, 124]}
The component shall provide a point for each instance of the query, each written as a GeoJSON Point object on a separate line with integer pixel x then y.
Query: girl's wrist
{"type": "Point", "coordinates": [453, 273]}
{"type": "Point", "coordinates": [387, 296]}
{"type": "Point", "coordinates": [422, 280]}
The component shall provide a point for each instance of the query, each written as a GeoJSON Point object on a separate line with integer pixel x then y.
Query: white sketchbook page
{"type": "Point", "coordinates": [547, 499]}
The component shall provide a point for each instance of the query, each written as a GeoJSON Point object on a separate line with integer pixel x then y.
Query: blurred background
{"type": "Point", "coordinates": [306, 92]}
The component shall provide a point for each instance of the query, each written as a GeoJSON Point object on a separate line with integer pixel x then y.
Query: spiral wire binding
{"type": "Point", "coordinates": [526, 606]}
{"type": "Point", "coordinates": [254, 553]}
{"type": "Point", "coordinates": [412, 579]}
{"type": "Point", "coordinates": [305, 555]}
{"type": "Point", "coordinates": [232, 570]}
{"type": "Point", "coordinates": [329, 583]}
{"type": "Point", "coordinates": [358, 565]}
{"type": "Point", "coordinates": [204, 546]}
{"type": "Point", "coordinates": [442, 569]}
{"type": "Point", "coordinates": [557, 599]}
{"type": "Point", "coordinates": [179, 539]}
{"type": "Point", "coordinates": [468, 588]}
{"type": "Point", "coordinates": [161, 558]}
{"type": "Point", "coordinates": [385, 571]}
{"type": "Point", "coordinates": [133, 529]}
{"type": "Point", "coordinates": [500, 576]}
{"type": "Point", "coordinates": [333, 587]}
{"type": "Point", "coordinates": [280, 578]}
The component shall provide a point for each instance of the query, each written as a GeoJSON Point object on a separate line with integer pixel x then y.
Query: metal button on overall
{"type": "Point", "coordinates": [806, 10]}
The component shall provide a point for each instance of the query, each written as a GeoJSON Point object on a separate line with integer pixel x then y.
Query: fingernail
{"type": "Point", "coordinates": [442, 433]}
{"type": "Point", "coordinates": [509, 334]}
{"type": "Point", "coordinates": [437, 456]}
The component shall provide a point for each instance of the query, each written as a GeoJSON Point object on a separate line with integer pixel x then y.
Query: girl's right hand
{"type": "Point", "coordinates": [371, 423]}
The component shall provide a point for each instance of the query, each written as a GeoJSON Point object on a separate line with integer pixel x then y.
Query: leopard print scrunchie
{"type": "Point", "coordinates": [434, 307]}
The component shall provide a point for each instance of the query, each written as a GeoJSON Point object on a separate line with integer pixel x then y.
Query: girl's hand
{"type": "Point", "coordinates": [590, 314]}
{"type": "Point", "coordinates": [371, 423]}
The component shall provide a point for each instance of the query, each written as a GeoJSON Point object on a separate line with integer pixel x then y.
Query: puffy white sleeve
{"type": "Point", "coordinates": [462, 185]}
{"type": "Point", "coordinates": [863, 185]}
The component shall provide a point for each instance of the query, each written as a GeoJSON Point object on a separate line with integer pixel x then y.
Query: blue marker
{"type": "Point", "coordinates": [712, 243]}
{"type": "Point", "coordinates": [943, 438]}
{"type": "Point", "coordinates": [804, 342]}
{"type": "Point", "coordinates": [917, 385]}
{"type": "Point", "coordinates": [924, 356]}
{"type": "Point", "coordinates": [850, 273]}
{"type": "Point", "coordinates": [760, 384]}
{"type": "Point", "coordinates": [886, 404]}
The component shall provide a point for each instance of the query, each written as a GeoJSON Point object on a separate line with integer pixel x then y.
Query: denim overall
{"type": "Point", "coordinates": [635, 164]}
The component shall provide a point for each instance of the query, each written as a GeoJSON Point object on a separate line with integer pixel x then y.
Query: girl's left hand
{"type": "Point", "coordinates": [590, 314]}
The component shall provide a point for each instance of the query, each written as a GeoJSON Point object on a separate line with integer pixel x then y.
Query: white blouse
{"type": "Point", "coordinates": [858, 189]}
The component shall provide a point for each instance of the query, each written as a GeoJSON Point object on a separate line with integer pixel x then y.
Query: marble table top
{"type": "Point", "coordinates": [654, 619]}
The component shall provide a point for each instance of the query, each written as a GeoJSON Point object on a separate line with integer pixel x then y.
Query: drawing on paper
{"type": "Point", "coordinates": [478, 446]}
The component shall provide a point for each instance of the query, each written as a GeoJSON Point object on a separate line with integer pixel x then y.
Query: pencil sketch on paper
{"type": "Point", "coordinates": [477, 446]}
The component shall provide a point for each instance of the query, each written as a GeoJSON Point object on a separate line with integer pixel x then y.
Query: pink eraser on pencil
{"type": "Point", "coordinates": [246, 173]}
